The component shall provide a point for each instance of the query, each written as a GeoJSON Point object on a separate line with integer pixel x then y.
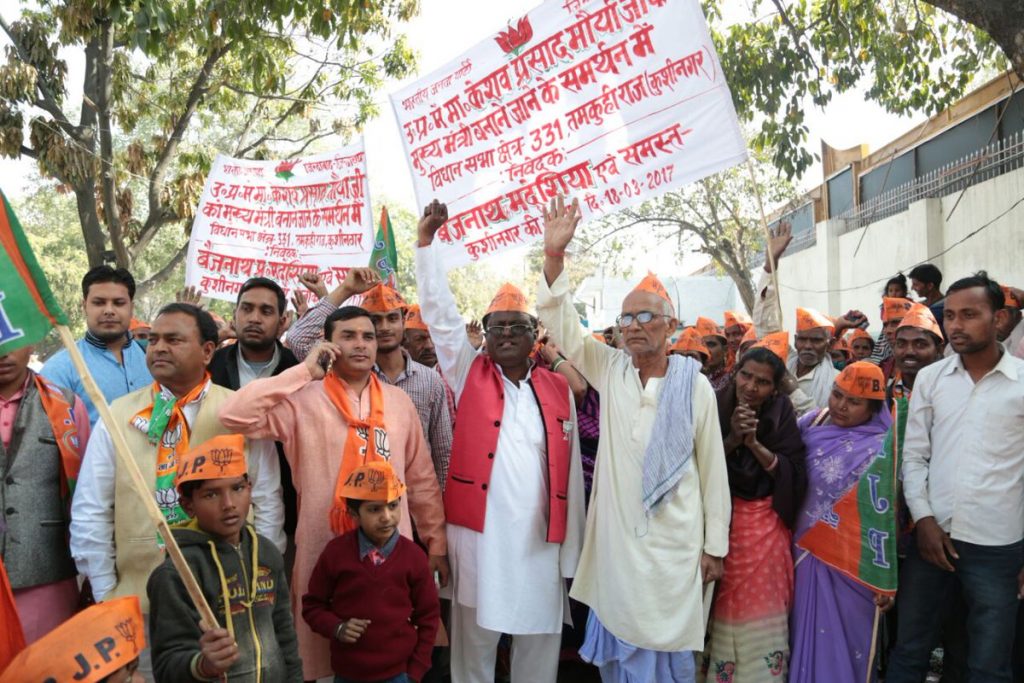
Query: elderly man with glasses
{"type": "Point", "coordinates": [658, 525]}
{"type": "Point", "coordinates": [514, 493]}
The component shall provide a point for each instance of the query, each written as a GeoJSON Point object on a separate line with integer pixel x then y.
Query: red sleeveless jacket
{"type": "Point", "coordinates": [477, 424]}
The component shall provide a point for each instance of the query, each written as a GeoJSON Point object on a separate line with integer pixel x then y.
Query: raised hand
{"type": "Point", "coordinates": [189, 295]}
{"type": "Point", "coordinates": [312, 281]}
{"type": "Point", "coordinates": [361, 280]}
{"type": "Point", "coordinates": [300, 303]}
{"type": "Point", "coordinates": [776, 247]}
{"type": "Point", "coordinates": [434, 216]}
{"type": "Point", "coordinates": [475, 333]}
{"type": "Point", "coordinates": [560, 223]}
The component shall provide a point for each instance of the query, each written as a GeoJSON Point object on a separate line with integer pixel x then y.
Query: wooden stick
{"type": "Point", "coordinates": [768, 239]}
{"type": "Point", "coordinates": [874, 643]}
{"type": "Point", "coordinates": [138, 483]}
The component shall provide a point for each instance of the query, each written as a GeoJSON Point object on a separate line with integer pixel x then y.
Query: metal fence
{"type": "Point", "coordinates": [988, 162]}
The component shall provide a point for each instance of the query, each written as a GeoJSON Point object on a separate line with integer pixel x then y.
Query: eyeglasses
{"type": "Point", "coordinates": [643, 317]}
{"type": "Point", "coordinates": [516, 330]}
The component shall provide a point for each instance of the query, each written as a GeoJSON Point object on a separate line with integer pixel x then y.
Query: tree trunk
{"type": "Point", "coordinates": [92, 231]}
{"type": "Point", "coordinates": [1002, 20]}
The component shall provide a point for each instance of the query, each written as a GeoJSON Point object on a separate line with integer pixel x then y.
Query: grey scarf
{"type": "Point", "coordinates": [671, 444]}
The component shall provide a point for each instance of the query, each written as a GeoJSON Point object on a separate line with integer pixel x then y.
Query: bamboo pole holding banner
{"type": "Point", "coordinates": [769, 256]}
{"type": "Point", "coordinates": [126, 461]}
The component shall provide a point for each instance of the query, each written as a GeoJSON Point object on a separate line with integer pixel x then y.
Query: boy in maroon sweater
{"type": "Point", "coordinates": [371, 592]}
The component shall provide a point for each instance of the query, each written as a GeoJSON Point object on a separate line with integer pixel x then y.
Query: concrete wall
{"type": "Point", "coordinates": [834, 277]}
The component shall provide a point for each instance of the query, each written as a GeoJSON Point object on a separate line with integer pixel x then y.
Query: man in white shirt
{"type": "Point", "coordinates": [113, 541]}
{"type": "Point", "coordinates": [963, 476]}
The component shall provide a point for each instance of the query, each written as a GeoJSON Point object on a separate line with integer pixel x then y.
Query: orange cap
{"type": "Point", "coordinates": [383, 299]}
{"type": "Point", "coordinates": [921, 317]}
{"type": "Point", "coordinates": [508, 298]}
{"type": "Point", "coordinates": [413, 319]}
{"type": "Point", "coordinates": [842, 344]}
{"type": "Point", "coordinates": [652, 285]}
{"type": "Point", "coordinates": [750, 335]}
{"type": "Point", "coordinates": [222, 457]}
{"type": "Point", "coordinates": [894, 308]}
{"type": "Point", "coordinates": [707, 327]}
{"type": "Point", "coordinates": [860, 334]}
{"type": "Point", "coordinates": [734, 318]}
{"type": "Point", "coordinates": [863, 380]}
{"type": "Point", "coordinates": [809, 319]}
{"type": "Point", "coordinates": [691, 340]}
{"type": "Point", "coordinates": [599, 336]}
{"type": "Point", "coordinates": [1009, 300]}
{"type": "Point", "coordinates": [86, 648]}
{"type": "Point", "coordinates": [137, 324]}
{"type": "Point", "coordinates": [777, 343]}
{"type": "Point", "coordinates": [373, 481]}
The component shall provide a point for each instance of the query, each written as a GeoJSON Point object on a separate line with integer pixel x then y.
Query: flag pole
{"type": "Point", "coordinates": [135, 476]}
{"type": "Point", "coordinates": [874, 643]}
{"type": "Point", "coordinates": [769, 256]}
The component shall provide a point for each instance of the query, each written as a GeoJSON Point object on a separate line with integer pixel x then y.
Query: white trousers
{"type": "Point", "coordinates": [475, 649]}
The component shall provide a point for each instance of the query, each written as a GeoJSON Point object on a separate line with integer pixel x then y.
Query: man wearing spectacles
{"type": "Point", "coordinates": [514, 493]}
{"type": "Point", "coordinates": [658, 525]}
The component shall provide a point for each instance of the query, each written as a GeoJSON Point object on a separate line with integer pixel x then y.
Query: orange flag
{"type": "Point", "coordinates": [12, 639]}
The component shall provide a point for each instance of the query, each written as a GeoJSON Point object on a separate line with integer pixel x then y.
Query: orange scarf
{"type": "Point", "coordinates": [61, 415]}
{"type": "Point", "coordinates": [359, 448]}
{"type": "Point", "coordinates": [166, 427]}
{"type": "Point", "coordinates": [12, 639]}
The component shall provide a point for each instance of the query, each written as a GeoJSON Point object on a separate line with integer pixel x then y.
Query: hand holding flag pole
{"type": "Point", "coordinates": [28, 310]}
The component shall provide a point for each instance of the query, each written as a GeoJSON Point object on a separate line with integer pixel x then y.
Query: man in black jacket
{"type": "Point", "coordinates": [259, 322]}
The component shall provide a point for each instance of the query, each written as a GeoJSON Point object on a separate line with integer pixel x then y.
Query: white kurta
{"type": "Point", "coordinates": [509, 573]}
{"type": "Point", "coordinates": [641, 575]}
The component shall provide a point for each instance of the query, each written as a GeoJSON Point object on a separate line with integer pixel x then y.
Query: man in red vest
{"type": "Point", "coordinates": [514, 493]}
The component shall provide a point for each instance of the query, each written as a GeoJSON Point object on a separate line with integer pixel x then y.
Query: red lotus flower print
{"type": "Point", "coordinates": [512, 40]}
{"type": "Point", "coordinates": [284, 169]}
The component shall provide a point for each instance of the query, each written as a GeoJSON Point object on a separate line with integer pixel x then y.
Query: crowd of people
{"type": "Point", "coordinates": [389, 493]}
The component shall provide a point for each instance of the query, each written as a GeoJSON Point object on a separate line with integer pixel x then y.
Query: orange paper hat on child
{"type": "Point", "coordinates": [707, 327]}
{"type": "Point", "coordinates": [373, 481]}
{"type": "Point", "coordinates": [777, 343]}
{"type": "Point", "coordinates": [842, 344]}
{"type": "Point", "coordinates": [809, 319]}
{"type": "Point", "coordinates": [383, 299]}
{"type": "Point", "coordinates": [689, 341]}
{"type": "Point", "coordinates": [652, 285]}
{"type": "Point", "coordinates": [86, 648]}
{"type": "Point", "coordinates": [921, 317]}
{"type": "Point", "coordinates": [414, 320]}
{"type": "Point", "coordinates": [508, 299]}
{"type": "Point", "coordinates": [734, 318]}
{"type": "Point", "coordinates": [863, 380]}
{"type": "Point", "coordinates": [894, 308]}
{"type": "Point", "coordinates": [750, 335]}
{"type": "Point", "coordinates": [222, 457]}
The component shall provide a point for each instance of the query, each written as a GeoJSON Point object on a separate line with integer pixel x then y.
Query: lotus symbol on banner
{"type": "Point", "coordinates": [284, 169]}
{"type": "Point", "coordinates": [512, 40]}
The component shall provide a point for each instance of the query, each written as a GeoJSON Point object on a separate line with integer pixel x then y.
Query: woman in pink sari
{"type": "Point", "coordinates": [833, 616]}
{"type": "Point", "coordinates": [765, 458]}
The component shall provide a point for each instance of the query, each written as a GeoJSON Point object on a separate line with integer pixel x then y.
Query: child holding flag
{"type": "Point", "coordinates": [371, 592]}
{"type": "Point", "coordinates": [240, 572]}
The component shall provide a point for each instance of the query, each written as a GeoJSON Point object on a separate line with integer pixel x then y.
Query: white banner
{"type": "Point", "coordinates": [278, 219]}
{"type": "Point", "coordinates": [610, 101]}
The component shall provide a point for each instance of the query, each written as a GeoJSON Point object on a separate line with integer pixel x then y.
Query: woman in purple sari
{"type": "Point", "coordinates": [831, 626]}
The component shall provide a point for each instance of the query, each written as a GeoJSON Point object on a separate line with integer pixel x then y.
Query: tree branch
{"type": "Point", "coordinates": [27, 152]}
{"type": "Point", "coordinates": [164, 273]}
{"type": "Point", "coordinates": [156, 177]}
{"type": "Point", "coordinates": [108, 182]}
{"type": "Point", "coordinates": [47, 101]}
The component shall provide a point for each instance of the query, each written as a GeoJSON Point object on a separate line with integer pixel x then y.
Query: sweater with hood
{"type": "Point", "coordinates": [252, 577]}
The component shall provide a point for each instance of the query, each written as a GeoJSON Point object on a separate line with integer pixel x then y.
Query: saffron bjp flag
{"type": "Point", "coordinates": [28, 309]}
{"type": "Point", "coordinates": [12, 639]}
{"type": "Point", "coordinates": [858, 535]}
{"type": "Point", "coordinates": [384, 257]}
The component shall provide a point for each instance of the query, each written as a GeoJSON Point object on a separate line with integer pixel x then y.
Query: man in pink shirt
{"type": "Point", "coordinates": [305, 409]}
{"type": "Point", "coordinates": [43, 430]}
